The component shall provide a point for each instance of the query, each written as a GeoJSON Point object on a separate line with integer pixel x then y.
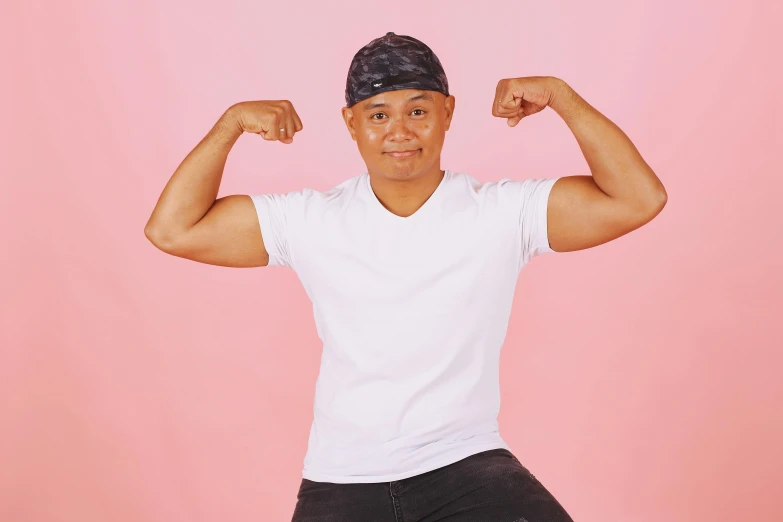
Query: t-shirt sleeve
{"type": "Point", "coordinates": [530, 207]}
{"type": "Point", "coordinates": [277, 215]}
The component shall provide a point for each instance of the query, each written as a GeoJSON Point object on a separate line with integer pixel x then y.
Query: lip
{"type": "Point", "coordinates": [402, 154]}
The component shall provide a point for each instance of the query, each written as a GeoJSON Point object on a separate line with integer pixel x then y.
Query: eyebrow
{"type": "Point", "coordinates": [422, 96]}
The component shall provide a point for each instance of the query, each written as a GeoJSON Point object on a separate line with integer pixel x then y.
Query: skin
{"type": "Point", "coordinates": [621, 194]}
{"type": "Point", "coordinates": [401, 120]}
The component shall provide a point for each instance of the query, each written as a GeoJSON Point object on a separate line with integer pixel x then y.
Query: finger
{"type": "Point", "coordinates": [272, 133]}
{"type": "Point", "coordinates": [281, 122]}
{"type": "Point", "coordinates": [286, 122]}
{"type": "Point", "coordinates": [496, 101]}
{"type": "Point", "coordinates": [283, 128]}
{"type": "Point", "coordinates": [291, 123]}
{"type": "Point", "coordinates": [298, 122]}
{"type": "Point", "coordinates": [512, 122]}
{"type": "Point", "coordinates": [269, 133]}
{"type": "Point", "coordinates": [505, 103]}
{"type": "Point", "coordinates": [509, 103]}
{"type": "Point", "coordinates": [276, 123]}
{"type": "Point", "coordinates": [290, 128]}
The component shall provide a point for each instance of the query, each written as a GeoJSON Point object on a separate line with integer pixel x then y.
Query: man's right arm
{"type": "Point", "coordinates": [188, 221]}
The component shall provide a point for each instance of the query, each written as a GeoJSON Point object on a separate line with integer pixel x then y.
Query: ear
{"type": "Point", "coordinates": [349, 121]}
{"type": "Point", "coordinates": [448, 105]}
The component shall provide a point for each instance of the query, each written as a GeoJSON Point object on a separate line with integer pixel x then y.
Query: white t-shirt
{"type": "Point", "coordinates": [412, 312]}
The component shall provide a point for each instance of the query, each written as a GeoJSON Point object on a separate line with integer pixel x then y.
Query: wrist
{"type": "Point", "coordinates": [232, 117]}
{"type": "Point", "coordinates": [558, 89]}
{"type": "Point", "coordinates": [229, 125]}
{"type": "Point", "coordinates": [564, 98]}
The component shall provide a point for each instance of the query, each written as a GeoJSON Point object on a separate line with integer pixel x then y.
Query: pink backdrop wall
{"type": "Point", "coordinates": [640, 379]}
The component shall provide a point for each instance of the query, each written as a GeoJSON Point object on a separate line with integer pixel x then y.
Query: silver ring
{"type": "Point", "coordinates": [282, 130]}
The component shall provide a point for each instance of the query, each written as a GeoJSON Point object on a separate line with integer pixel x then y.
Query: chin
{"type": "Point", "coordinates": [401, 171]}
{"type": "Point", "coordinates": [403, 167]}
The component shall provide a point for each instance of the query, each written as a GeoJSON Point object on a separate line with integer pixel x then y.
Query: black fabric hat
{"type": "Point", "coordinates": [390, 63]}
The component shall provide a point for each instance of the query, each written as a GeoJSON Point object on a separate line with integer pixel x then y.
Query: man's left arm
{"type": "Point", "coordinates": [623, 192]}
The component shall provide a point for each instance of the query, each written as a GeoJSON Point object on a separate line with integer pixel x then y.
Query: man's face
{"type": "Point", "coordinates": [403, 120]}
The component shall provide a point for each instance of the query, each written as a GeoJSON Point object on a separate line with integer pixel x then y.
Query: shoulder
{"type": "Point", "coordinates": [494, 192]}
{"type": "Point", "coordinates": [308, 197]}
{"type": "Point", "coordinates": [519, 192]}
{"type": "Point", "coordinates": [507, 196]}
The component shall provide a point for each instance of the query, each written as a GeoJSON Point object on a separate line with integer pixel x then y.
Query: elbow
{"type": "Point", "coordinates": [661, 195]}
{"type": "Point", "coordinates": [653, 206]}
{"type": "Point", "coordinates": [654, 195]}
{"type": "Point", "coordinates": [150, 232]}
{"type": "Point", "coordinates": [642, 211]}
{"type": "Point", "coordinates": [655, 199]}
{"type": "Point", "coordinates": [660, 200]}
{"type": "Point", "coordinates": [157, 238]}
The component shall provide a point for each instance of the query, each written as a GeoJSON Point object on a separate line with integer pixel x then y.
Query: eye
{"type": "Point", "coordinates": [373, 117]}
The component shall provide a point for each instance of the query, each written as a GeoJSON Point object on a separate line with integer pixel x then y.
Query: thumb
{"type": "Point", "coordinates": [512, 122]}
{"type": "Point", "coordinates": [513, 103]}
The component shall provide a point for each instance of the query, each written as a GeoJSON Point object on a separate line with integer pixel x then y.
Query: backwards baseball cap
{"type": "Point", "coordinates": [390, 63]}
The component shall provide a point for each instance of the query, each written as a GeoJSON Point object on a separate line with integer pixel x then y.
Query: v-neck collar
{"type": "Point", "coordinates": [400, 219]}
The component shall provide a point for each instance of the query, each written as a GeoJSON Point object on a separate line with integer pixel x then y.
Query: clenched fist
{"type": "Point", "coordinates": [272, 119]}
{"type": "Point", "coordinates": [516, 98]}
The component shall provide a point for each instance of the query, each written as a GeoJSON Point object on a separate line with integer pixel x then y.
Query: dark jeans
{"type": "Point", "coordinates": [490, 486]}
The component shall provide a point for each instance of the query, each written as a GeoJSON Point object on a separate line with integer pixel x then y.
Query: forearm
{"type": "Point", "coordinates": [193, 188]}
{"type": "Point", "coordinates": [616, 166]}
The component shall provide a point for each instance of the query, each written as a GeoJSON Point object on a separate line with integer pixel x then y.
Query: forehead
{"type": "Point", "coordinates": [401, 96]}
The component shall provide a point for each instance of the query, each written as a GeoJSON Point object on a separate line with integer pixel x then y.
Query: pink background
{"type": "Point", "coordinates": [640, 379]}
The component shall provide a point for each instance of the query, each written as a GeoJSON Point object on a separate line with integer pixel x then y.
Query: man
{"type": "Point", "coordinates": [411, 270]}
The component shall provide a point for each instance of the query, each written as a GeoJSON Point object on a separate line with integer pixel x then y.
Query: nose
{"type": "Point", "coordinates": [399, 129]}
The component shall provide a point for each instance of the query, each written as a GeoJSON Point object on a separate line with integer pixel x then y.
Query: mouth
{"type": "Point", "coordinates": [403, 154]}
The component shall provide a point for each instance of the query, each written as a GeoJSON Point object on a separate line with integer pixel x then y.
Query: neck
{"type": "Point", "coordinates": [404, 197]}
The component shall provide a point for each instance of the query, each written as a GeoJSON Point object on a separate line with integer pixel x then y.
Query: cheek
{"type": "Point", "coordinates": [427, 131]}
{"type": "Point", "coordinates": [373, 135]}
{"type": "Point", "coordinates": [370, 140]}
{"type": "Point", "coordinates": [427, 127]}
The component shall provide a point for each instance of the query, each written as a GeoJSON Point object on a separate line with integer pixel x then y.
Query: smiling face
{"type": "Point", "coordinates": [395, 121]}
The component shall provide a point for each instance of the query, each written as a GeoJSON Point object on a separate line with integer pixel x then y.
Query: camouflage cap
{"type": "Point", "coordinates": [390, 63]}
